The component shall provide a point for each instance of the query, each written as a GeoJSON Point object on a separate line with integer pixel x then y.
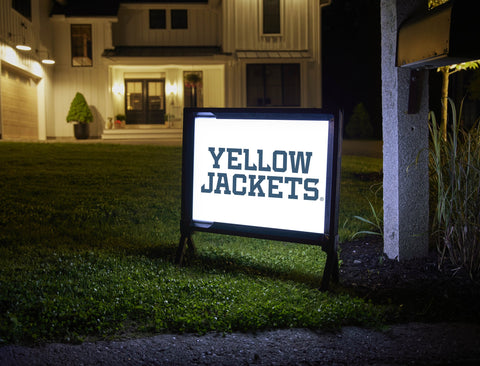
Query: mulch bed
{"type": "Point", "coordinates": [425, 292]}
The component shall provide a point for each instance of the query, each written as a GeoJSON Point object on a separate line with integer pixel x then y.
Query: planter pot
{"type": "Point", "coordinates": [81, 131]}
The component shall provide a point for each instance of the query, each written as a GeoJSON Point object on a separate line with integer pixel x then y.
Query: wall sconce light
{"type": "Point", "coordinates": [47, 60]}
{"type": "Point", "coordinates": [118, 88]}
{"type": "Point", "coordinates": [172, 89]}
{"type": "Point", "coordinates": [22, 44]}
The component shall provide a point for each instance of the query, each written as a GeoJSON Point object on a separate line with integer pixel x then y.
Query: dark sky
{"type": "Point", "coordinates": [351, 58]}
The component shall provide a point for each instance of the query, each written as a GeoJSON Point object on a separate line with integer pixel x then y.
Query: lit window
{"type": "Point", "coordinates": [81, 44]}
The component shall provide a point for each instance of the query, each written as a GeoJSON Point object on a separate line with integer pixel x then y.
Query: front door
{"type": "Point", "coordinates": [145, 101]}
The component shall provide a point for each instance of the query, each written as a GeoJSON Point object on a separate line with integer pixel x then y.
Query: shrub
{"type": "Point", "coordinates": [359, 125]}
{"type": "Point", "coordinates": [79, 110]}
{"type": "Point", "coordinates": [455, 167]}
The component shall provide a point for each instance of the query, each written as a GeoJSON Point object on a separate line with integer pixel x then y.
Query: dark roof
{"type": "Point", "coordinates": [147, 51]}
{"type": "Point", "coordinates": [88, 8]}
{"type": "Point", "coordinates": [85, 8]}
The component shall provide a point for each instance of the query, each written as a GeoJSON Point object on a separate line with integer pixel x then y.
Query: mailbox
{"type": "Point", "coordinates": [446, 35]}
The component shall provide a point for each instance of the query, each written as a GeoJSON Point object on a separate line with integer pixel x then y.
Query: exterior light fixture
{"type": "Point", "coordinates": [45, 60]}
{"type": "Point", "coordinates": [172, 88]}
{"type": "Point", "coordinates": [48, 61]}
{"type": "Point", "coordinates": [22, 45]}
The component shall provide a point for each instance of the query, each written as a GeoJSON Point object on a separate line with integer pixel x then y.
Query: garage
{"type": "Point", "coordinates": [18, 101]}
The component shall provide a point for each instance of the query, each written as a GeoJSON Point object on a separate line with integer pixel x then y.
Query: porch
{"type": "Point", "coordinates": [144, 132]}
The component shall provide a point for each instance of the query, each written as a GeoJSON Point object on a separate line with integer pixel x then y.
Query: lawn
{"type": "Point", "coordinates": [88, 234]}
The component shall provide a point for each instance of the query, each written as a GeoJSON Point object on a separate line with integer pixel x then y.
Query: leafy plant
{"type": "Point", "coordinates": [359, 125]}
{"type": "Point", "coordinates": [455, 167]}
{"type": "Point", "coordinates": [375, 219]}
{"type": "Point", "coordinates": [79, 110]}
{"type": "Point", "coordinates": [375, 222]}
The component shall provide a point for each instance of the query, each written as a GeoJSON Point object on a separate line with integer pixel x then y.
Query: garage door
{"type": "Point", "coordinates": [18, 93]}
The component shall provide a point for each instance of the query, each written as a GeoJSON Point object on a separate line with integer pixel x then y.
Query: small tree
{"type": "Point", "coordinates": [359, 125]}
{"type": "Point", "coordinates": [79, 110]}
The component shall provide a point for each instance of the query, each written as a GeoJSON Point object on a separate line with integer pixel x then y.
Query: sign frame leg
{"type": "Point", "coordinates": [186, 242]}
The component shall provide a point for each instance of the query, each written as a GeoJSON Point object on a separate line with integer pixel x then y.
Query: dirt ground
{"type": "Point", "coordinates": [439, 324]}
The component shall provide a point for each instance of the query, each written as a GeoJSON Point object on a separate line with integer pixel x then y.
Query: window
{"type": "Point", "coordinates": [24, 7]}
{"type": "Point", "coordinates": [192, 89]}
{"type": "Point", "coordinates": [273, 85]}
{"type": "Point", "coordinates": [271, 17]}
{"type": "Point", "coordinates": [179, 19]}
{"type": "Point", "coordinates": [81, 44]}
{"type": "Point", "coordinates": [158, 19]}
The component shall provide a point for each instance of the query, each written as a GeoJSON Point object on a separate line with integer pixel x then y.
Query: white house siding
{"type": "Point", "coordinates": [299, 42]}
{"type": "Point", "coordinates": [244, 20]}
{"type": "Point", "coordinates": [91, 81]}
{"type": "Point", "coordinates": [36, 33]}
{"type": "Point", "coordinates": [133, 28]}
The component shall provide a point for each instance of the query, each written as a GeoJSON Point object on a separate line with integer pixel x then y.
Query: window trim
{"type": "Point", "coordinates": [282, 19]}
{"type": "Point", "coordinates": [71, 44]}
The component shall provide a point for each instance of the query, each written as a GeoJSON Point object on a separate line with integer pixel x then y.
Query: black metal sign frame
{"type": "Point", "coordinates": [327, 240]}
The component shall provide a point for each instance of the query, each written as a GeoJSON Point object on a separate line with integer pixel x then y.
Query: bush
{"type": "Point", "coordinates": [359, 125]}
{"type": "Point", "coordinates": [79, 110]}
{"type": "Point", "coordinates": [455, 182]}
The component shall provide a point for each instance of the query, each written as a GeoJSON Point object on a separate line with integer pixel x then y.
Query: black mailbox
{"type": "Point", "coordinates": [446, 35]}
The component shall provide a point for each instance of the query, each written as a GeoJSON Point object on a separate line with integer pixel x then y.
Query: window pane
{"type": "Point", "coordinates": [273, 85]}
{"type": "Point", "coordinates": [157, 19]}
{"type": "Point", "coordinates": [156, 95]}
{"type": "Point", "coordinates": [255, 85]}
{"type": "Point", "coordinates": [81, 44]}
{"type": "Point", "coordinates": [134, 95]}
{"type": "Point", "coordinates": [291, 84]}
{"type": "Point", "coordinates": [271, 16]}
{"type": "Point", "coordinates": [179, 19]}
{"type": "Point", "coordinates": [192, 89]}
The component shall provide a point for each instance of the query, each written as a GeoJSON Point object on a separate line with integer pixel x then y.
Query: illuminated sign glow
{"type": "Point", "coordinates": [267, 173]}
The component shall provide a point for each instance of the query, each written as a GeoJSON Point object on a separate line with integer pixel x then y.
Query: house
{"type": "Point", "coordinates": [147, 60]}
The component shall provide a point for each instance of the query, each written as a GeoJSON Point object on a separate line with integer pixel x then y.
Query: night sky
{"type": "Point", "coordinates": [351, 58]}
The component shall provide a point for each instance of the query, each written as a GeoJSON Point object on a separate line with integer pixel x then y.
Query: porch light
{"type": "Point", "coordinates": [118, 88]}
{"type": "Point", "coordinates": [47, 60]}
{"type": "Point", "coordinates": [172, 88]}
{"type": "Point", "coordinates": [22, 44]}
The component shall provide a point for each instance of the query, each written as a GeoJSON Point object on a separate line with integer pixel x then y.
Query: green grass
{"type": "Point", "coordinates": [88, 235]}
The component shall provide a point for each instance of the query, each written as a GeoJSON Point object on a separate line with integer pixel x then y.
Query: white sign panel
{"type": "Point", "coordinates": [264, 173]}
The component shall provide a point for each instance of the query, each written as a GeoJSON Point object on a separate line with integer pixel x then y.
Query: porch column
{"type": "Point", "coordinates": [405, 137]}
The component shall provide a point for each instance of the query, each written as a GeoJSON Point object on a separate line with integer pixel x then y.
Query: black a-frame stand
{"type": "Point", "coordinates": [185, 245]}
{"type": "Point", "coordinates": [329, 241]}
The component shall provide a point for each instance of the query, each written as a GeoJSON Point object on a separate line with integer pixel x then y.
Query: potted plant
{"type": "Point", "coordinates": [120, 120]}
{"type": "Point", "coordinates": [81, 116]}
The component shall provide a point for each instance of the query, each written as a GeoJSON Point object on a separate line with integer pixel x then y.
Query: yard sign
{"type": "Point", "coordinates": [264, 173]}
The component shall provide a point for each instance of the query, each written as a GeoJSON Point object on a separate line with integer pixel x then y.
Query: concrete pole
{"type": "Point", "coordinates": [405, 139]}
